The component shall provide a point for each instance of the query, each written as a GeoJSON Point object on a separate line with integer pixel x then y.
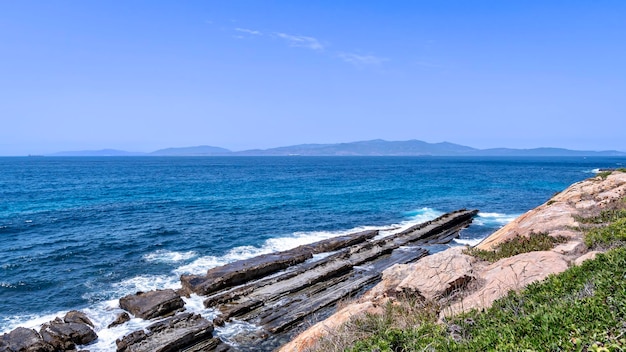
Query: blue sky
{"type": "Point", "coordinates": [144, 75]}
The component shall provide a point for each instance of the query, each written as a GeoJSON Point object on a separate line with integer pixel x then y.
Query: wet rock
{"type": "Point", "coordinates": [218, 321]}
{"type": "Point", "coordinates": [246, 270]}
{"type": "Point", "coordinates": [121, 319]}
{"type": "Point", "coordinates": [24, 340]}
{"type": "Point", "coordinates": [284, 301]}
{"type": "Point", "coordinates": [75, 316]}
{"type": "Point", "coordinates": [152, 304]}
{"type": "Point", "coordinates": [212, 345]}
{"type": "Point", "coordinates": [65, 336]}
{"type": "Point", "coordinates": [182, 331]}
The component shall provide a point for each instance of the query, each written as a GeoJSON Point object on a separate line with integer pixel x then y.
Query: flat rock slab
{"type": "Point", "coordinates": [243, 271]}
{"type": "Point", "coordinates": [65, 336]}
{"type": "Point", "coordinates": [177, 333]}
{"type": "Point", "coordinates": [286, 300]}
{"type": "Point", "coordinates": [152, 304]}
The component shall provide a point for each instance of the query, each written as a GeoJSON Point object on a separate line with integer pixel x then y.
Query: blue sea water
{"type": "Point", "coordinates": [78, 233]}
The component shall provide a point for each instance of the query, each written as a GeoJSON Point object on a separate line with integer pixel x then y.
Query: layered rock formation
{"type": "Point", "coordinates": [461, 282]}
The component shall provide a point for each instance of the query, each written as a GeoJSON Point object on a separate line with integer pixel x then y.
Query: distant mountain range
{"type": "Point", "coordinates": [376, 147]}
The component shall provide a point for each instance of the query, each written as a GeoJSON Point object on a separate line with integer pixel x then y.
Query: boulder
{"type": "Point", "coordinates": [24, 340]}
{"type": "Point", "coordinates": [121, 319]}
{"type": "Point", "coordinates": [152, 304]}
{"type": "Point", "coordinates": [513, 273]}
{"type": "Point", "coordinates": [175, 333]}
{"type": "Point", "coordinates": [65, 336]}
{"type": "Point", "coordinates": [437, 275]}
{"type": "Point", "coordinates": [75, 316]}
{"type": "Point", "coordinates": [571, 248]}
{"type": "Point", "coordinates": [587, 256]}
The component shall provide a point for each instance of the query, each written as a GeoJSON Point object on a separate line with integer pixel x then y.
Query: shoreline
{"type": "Point", "coordinates": [360, 250]}
{"type": "Point", "coordinates": [477, 284]}
{"type": "Point", "coordinates": [193, 301]}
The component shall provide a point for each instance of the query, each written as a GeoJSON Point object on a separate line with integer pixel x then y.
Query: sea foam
{"type": "Point", "coordinates": [103, 312]}
{"type": "Point", "coordinates": [165, 256]}
{"type": "Point", "coordinates": [494, 219]}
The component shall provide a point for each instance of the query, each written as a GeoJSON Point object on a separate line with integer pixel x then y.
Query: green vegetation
{"type": "Point", "coordinates": [605, 174]}
{"type": "Point", "coordinates": [606, 229]}
{"type": "Point", "coordinates": [581, 309]}
{"type": "Point", "coordinates": [608, 236]}
{"type": "Point", "coordinates": [605, 217]}
{"type": "Point", "coordinates": [517, 245]}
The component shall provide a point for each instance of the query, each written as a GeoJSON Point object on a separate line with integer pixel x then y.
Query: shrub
{"type": "Point", "coordinates": [608, 235]}
{"type": "Point", "coordinates": [517, 245]}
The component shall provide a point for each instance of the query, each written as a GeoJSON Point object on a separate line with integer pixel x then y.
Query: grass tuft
{"type": "Point", "coordinates": [517, 245]}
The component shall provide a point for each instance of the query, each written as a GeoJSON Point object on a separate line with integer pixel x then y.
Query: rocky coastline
{"type": "Point", "coordinates": [460, 282]}
{"type": "Point", "coordinates": [280, 293]}
{"type": "Point", "coordinates": [292, 296]}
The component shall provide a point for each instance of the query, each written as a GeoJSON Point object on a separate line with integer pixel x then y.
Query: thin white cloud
{"type": "Point", "coordinates": [361, 60]}
{"type": "Point", "coordinates": [248, 31]}
{"type": "Point", "coordinates": [428, 64]}
{"type": "Point", "coordinates": [301, 41]}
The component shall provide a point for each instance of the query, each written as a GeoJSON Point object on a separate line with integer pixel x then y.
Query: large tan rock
{"type": "Point", "coordinates": [573, 248]}
{"type": "Point", "coordinates": [546, 218]}
{"type": "Point", "coordinates": [513, 273]}
{"type": "Point", "coordinates": [437, 275]}
{"type": "Point", "coordinates": [587, 256]}
{"type": "Point", "coordinates": [558, 214]}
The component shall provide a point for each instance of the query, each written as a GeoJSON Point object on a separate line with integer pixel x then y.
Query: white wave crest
{"type": "Point", "coordinates": [165, 256]}
{"type": "Point", "coordinates": [468, 241]}
{"type": "Point", "coordinates": [494, 219]}
{"type": "Point", "coordinates": [423, 215]}
{"type": "Point", "coordinates": [146, 283]}
{"type": "Point", "coordinates": [103, 314]}
{"type": "Point", "coordinates": [29, 321]}
{"type": "Point", "coordinates": [202, 264]}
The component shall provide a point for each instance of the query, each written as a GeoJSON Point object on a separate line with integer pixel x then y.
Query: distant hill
{"type": "Point", "coordinates": [377, 147]}
{"type": "Point", "coordinates": [203, 150]}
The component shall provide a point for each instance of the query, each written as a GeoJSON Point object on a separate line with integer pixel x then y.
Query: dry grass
{"type": "Point", "coordinates": [404, 313]}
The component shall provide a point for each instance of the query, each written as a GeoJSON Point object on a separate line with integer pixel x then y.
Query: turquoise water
{"type": "Point", "coordinates": [78, 233]}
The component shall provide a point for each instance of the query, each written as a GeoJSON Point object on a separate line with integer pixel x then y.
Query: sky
{"type": "Point", "coordinates": [144, 75]}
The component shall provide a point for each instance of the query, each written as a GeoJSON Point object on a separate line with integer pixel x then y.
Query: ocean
{"type": "Point", "coordinates": [81, 232]}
